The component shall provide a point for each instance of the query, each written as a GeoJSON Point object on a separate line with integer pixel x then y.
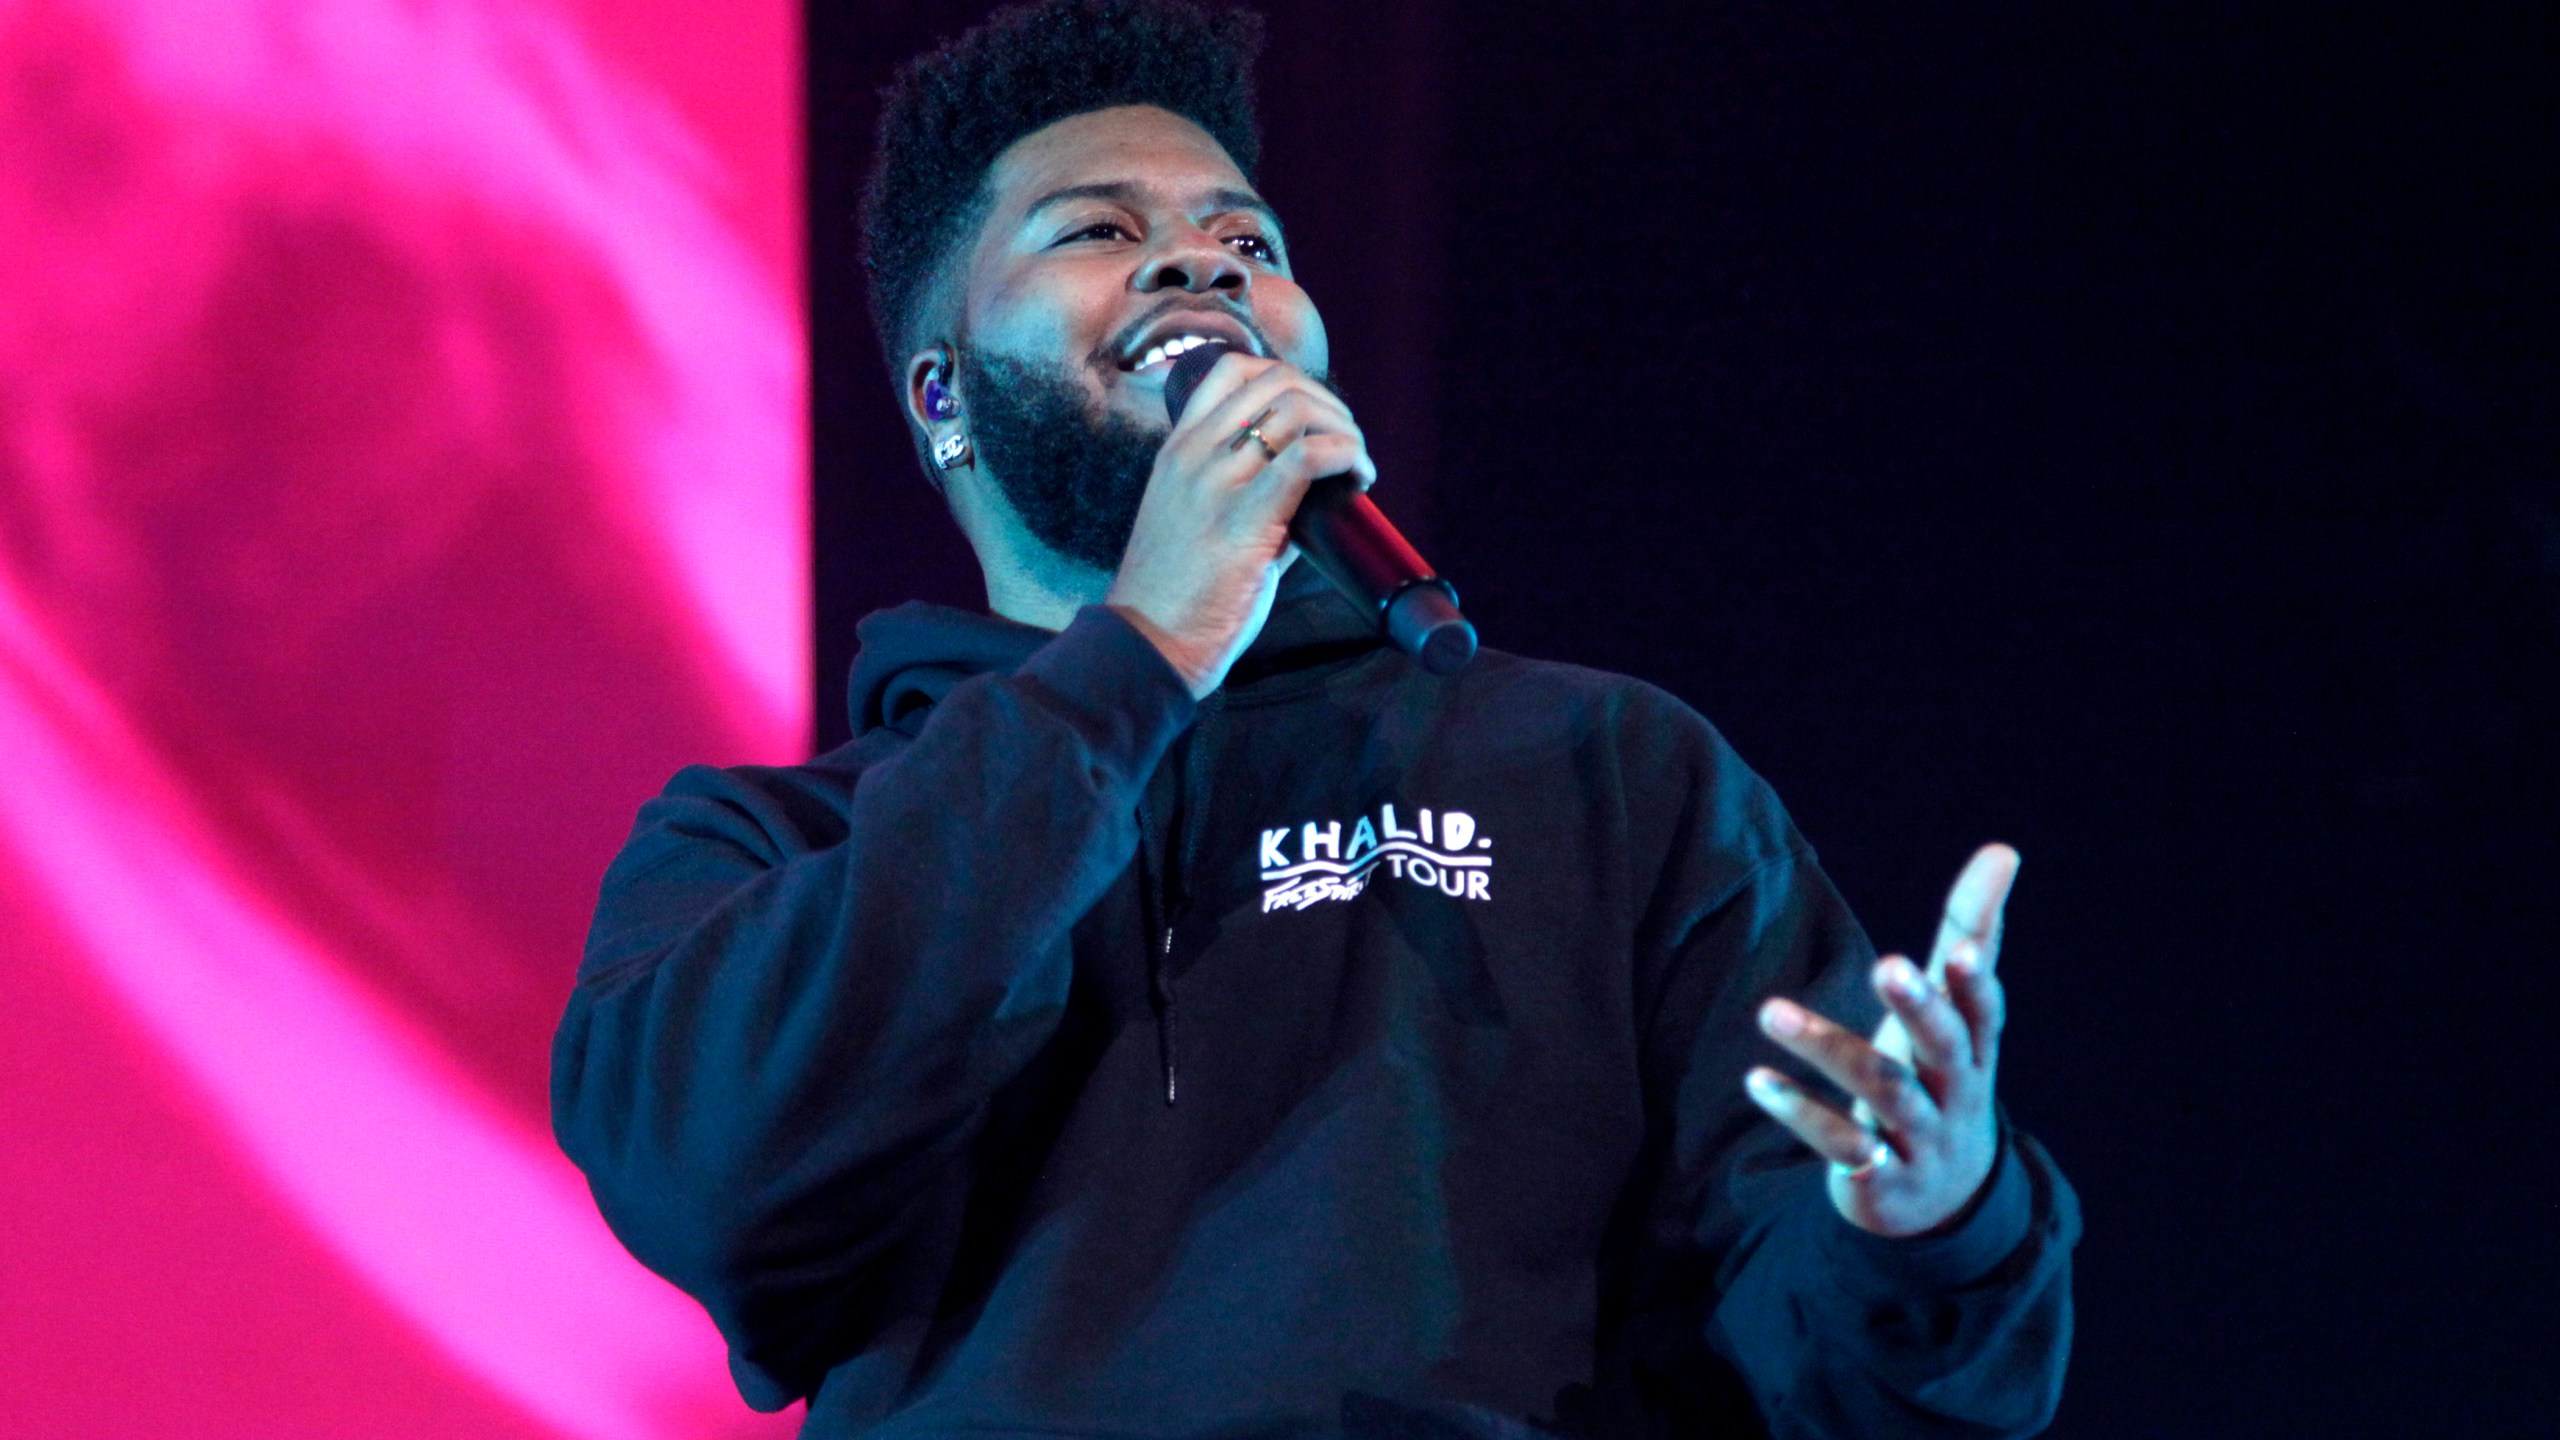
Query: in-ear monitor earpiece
{"type": "Point", "coordinates": [939, 402]}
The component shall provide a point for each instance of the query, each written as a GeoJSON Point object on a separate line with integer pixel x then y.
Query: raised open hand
{"type": "Point", "coordinates": [1921, 1136]}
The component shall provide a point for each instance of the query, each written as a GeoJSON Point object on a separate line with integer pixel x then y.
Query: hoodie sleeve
{"type": "Point", "coordinates": [1758, 1285]}
{"type": "Point", "coordinates": [777, 1045]}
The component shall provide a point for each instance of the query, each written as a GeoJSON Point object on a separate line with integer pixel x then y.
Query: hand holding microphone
{"type": "Point", "coordinates": [1347, 538]}
{"type": "Point", "coordinates": [1263, 460]}
{"type": "Point", "coordinates": [1212, 535]}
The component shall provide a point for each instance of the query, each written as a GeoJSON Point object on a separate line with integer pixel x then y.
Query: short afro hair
{"type": "Point", "coordinates": [951, 112]}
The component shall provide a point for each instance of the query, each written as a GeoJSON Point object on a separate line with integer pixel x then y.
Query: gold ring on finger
{"type": "Point", "coordinates": [1253, 431]}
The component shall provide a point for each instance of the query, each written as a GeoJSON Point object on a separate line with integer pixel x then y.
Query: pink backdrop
{"type": "Point", "coordinates": [401, 473]}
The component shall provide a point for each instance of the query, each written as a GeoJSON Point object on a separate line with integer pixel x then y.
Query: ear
{"type": "Point", "coordinates": [932, 396]}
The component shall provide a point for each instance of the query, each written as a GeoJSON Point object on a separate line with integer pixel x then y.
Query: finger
{"type": "Point", "coordinates": [1832, 1135]}
{"type": "Point", "coordinates": [1310, 458]}
{"type": "Point", "coordinates": [1261, 385]}
{"type": "Point", "coordinates": [1941, 1041]}
{"type": "Point", "coordinates": [1317, 406]}
{"type": "Point", "coordinates": [1888, 1086]}
{"type": "Point", "coordinates": [1225, 446]}
{"type": "Point", "coordinates": [1292, 415]}
{"type": "Point", "coordinates": [1974, 907]}
{"type": "Point", "coordinates": [1273, 491]}
{"type": "Point", "coordinates": [1978, 995]}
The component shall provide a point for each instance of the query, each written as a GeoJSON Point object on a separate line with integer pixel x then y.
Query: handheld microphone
{"type": "Point", "coordinates": [1349, 540]}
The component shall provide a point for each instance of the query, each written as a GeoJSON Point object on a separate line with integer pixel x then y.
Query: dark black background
{"type": "Point", "coordinates": [2127, 431]}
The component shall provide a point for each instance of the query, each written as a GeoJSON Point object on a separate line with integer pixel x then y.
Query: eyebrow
{"type": "Point", "coordinates": [1129, 193]}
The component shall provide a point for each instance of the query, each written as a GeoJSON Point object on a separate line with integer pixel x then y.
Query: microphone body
{"type": "Point", "coordinates": [1351, 543]}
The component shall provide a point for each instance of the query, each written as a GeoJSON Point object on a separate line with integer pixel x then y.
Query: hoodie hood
{"type": "Point", "coordinates": [912, 654]}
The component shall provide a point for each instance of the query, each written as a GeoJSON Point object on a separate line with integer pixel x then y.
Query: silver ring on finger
{"type": "Point", "coordinates": [1879, 1155]}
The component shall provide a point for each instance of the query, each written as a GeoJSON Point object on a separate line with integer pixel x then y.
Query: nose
{"type": "Point", "coordinates": [1189, 258]}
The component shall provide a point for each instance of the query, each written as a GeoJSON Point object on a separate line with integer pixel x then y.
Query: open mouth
{"type": "Point", "coordinates": [1159, 345]}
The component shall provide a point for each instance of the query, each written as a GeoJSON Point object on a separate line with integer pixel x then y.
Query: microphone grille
{"type": "Point", "coordinates": [1189, 369]}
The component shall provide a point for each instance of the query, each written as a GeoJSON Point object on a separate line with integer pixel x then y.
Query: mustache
{"type": "Point", "coordinates": [1110, 351]}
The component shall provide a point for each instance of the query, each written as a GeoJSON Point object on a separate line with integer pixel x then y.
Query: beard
{"type": "Point", "coordinates": [1073, 476]}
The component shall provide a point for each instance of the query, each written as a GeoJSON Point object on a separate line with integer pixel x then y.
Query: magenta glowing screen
{"type": "Point", "coordinates": [401, 474]}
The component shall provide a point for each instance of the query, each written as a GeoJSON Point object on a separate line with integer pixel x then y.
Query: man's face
{"type": "Point", "coordinates": [1115, 228]}
{"type": "Point", "coordinates": [1108, 235]}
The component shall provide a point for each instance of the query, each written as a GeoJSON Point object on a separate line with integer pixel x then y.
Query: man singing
{"type": "Point", "coordinates": [1177, 1014]}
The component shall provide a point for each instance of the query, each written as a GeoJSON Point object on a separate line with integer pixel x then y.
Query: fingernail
{"type": "Point", "coordinates": [1780, 1018]}
{"type": "Point", "coordinates": [1903, 979]}
{"type": "Point", "coordinates": [1762, 1084]}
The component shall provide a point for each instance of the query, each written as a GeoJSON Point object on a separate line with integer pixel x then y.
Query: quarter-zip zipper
{"type": "Point", "coordinates": [1172, 857]}
{"type": "Point", "coordinates": [1155, 901]}
{"type": "Point", "coordinates": [1165, 1018]}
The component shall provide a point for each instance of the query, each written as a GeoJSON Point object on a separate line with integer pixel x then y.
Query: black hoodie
{"type": "Point", "coordinates": [1355, 1052]}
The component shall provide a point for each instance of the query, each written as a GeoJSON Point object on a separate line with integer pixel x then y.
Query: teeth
{"type": "Point", "coordinates": [1170, 349]}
